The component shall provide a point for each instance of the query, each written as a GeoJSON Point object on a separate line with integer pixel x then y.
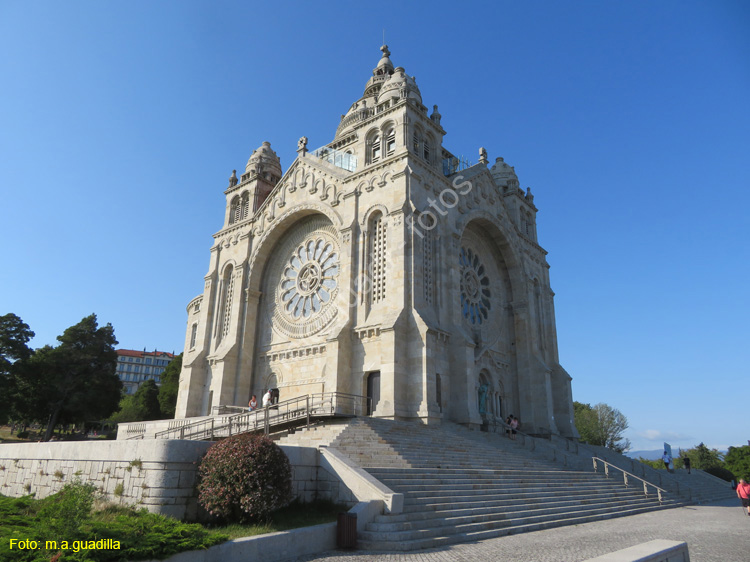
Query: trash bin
{"type": "Point", "coordinates": [346, 530]}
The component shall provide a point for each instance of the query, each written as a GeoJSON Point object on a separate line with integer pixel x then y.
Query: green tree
{"type": "Point", "coordinates": [653, 464]}
{"type": "Point", "coordinates": [701, 457]}
{"type": "Point", "coordinates": [601, 425]}
{"type": "Point", "coordinates": [146, 399]}
{"type": "Point", "coordinates": [737, 460]}
{"type": "Point", "coordinates": [128, 411]}
{"type": "Point", "coordinates": [14, 335]}
{"type": "Point", "coordinates": [74, 381]}
{"type": "Point", "coordinates": [170, 382]}
{"type": "Point", "coordinates": [141, 406]}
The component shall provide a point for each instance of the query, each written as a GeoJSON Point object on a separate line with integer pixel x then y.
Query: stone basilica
{"type": "Point", "coordinates": [380, 265]}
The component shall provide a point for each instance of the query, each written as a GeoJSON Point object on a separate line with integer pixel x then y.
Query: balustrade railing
{"type": "Point", "coordinates": [300, 409]}
{"type": "Point", "coordinates": [626, 477]}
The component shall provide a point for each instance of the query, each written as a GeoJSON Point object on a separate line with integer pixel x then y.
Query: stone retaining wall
{"type": "Point", "coordinates": [156, 474]}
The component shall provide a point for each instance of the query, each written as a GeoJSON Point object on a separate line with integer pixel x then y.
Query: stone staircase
{"type": "Point", "coordinates": [695, 488]}
{"type": "Point", "coordinates": [314, 436]}
{"type": "Point", "coordinates": [704, 487]}
{"type": "Point", "coordinates": [461, 487]}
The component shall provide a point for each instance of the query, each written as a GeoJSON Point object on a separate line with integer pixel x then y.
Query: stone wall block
{"type": "Point", "coordinates": [187, 478]}
{"type": "Point", "coordinates": [162, 478]}
{"type": "Point", "coordinates": [171, 492]}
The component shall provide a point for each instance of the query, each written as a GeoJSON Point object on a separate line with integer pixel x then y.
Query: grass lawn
{"type": "Point", "coordinates": [291, 517]}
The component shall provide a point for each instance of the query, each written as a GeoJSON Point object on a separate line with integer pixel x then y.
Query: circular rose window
{"type": "Point", "coordinates": [475, 287]}
{"type": "Point", "coordinates": [309, 279]}
{"type": "Point", "coordinates": [302, 279]}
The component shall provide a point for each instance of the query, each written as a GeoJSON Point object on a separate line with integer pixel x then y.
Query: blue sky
{"type": "Point", "coordinates": [120, 123]}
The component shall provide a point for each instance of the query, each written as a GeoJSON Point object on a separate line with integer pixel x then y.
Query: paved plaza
{"type": "Point", "coordinates": [717, 532]}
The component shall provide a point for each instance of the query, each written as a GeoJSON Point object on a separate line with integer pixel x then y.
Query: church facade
{"type": "Point", "coordinates": [380, 265]}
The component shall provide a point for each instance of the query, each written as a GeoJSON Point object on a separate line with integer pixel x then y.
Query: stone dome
{"type": "Point", "coordinates": [503, 174]}
{"type": "Point", "coordinates": [399, 82]}
{"type": "Point", "coordinates": [264, 160]}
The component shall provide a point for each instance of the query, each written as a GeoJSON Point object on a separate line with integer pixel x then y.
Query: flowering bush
{"type": "Point", "coordinates": [245, 477]}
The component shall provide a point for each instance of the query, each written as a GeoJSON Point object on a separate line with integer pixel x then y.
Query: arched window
{"type": "Point", "coordinates": [427, 149]}
{"type": "Point", "coordinates": [244, 205]}
{"type": "Point", "coordinates": [417, 141]}
{"type": "Point", "coordinates": [193, 335]}
{"type": "Point", "coordinates": [234, 210]}
{"type": "Point", "coordinates": [376, 266]}
{"type": "Point", "coordinates": [227, 295]}
{"type": "Point", "coordinates": [390, 142]}
{"type": "Point", "coordinates": [375, 148]}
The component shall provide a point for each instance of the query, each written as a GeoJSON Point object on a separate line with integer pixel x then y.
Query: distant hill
{"type": "Point", "coordinates": [655, 454]}
{"type": "Point", "coordinates": [652, 455]}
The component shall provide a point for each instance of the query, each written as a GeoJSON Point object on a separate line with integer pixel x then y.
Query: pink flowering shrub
{"type": "Point", "coordinates": [243, 478]}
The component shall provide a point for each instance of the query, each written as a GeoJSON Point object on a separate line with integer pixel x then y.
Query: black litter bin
{"type": "Point", "coordinates": [346, 530]}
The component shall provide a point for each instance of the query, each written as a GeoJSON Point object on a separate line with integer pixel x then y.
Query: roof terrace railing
{"type": "Point", "coordinates": [339, 159]}
{"type": "Point", "coordinates": [455, 164]}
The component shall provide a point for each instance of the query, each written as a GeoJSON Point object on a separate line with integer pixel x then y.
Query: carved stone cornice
{"type": "Point", "coordinates": [295, 354]}
{"type": "Point", "coordinates": [366, 333]}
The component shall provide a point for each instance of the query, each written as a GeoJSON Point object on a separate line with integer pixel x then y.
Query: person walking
{"type": "Point", "coordinates": [743, 492]}
{"type": "Point", "coordinates": [667, 458]}
{"type": "Point", "coordinates": [267, 399]}
{"type": "Point", "coordinates": [686, 462]}
{"type": "Point", "coordinates": [513, 427]}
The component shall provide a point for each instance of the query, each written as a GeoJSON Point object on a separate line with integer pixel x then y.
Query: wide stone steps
{"type": "Point", "coordinates": [507, 503]}
{"type": "Point", "coordinates": [507, 499]}
{"type": "Point", "coordinates": [506, 507]}
{"type": "Point", "coordinates": [442, 476]}
{"type": "Point", "coordinates": [505, 482]}
{"type": "Point", "coordinates": [458, 489]}
{"type": "Point", "coordinates": [520, 513]}
{"type": "Point", "coordinates": [463, 533]}
{"type": "Point", "coordinates": [422, 455]}
{"type": "Point", "coordinates": [454, 525]}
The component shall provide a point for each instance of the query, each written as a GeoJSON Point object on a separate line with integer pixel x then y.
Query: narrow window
{"type": "Point", "coordinates": [244, 205]}
{"type": "Point", "coordinates": [427, 249]}
{"type": "Point", "coordinates": [193, 335]}
{"type": "Point", "coordinates": [376, 148]}
{"type": "Point", "coordinates": [226, 307]}
{"type": "Point", "coordinates": [235, 211]}
{"type": "Point", "coordinates": [390, 143]}
{"type": "Point", "coordinates": [377, 258]}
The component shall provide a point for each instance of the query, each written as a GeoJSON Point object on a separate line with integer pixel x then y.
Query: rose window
{"type": "Point", "coordinates": [308, 281]}
{"type": "Point", "coordinates": [475, 287]}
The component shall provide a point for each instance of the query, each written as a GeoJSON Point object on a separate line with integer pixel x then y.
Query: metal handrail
{"type": "Point", "coordinates": [301, 407]}
{"type": "Point", "coordinates": [627, 474]}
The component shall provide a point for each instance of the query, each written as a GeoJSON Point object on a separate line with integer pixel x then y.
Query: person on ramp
{"type": "Point", "coordinates": [743, 492]}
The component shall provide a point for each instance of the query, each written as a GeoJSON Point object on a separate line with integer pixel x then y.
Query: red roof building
{"type": "Point", "coordinates": [136, 367]}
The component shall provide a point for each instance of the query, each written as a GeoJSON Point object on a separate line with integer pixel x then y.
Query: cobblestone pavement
{"type": "Point", "coordinates": [717, 532]}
